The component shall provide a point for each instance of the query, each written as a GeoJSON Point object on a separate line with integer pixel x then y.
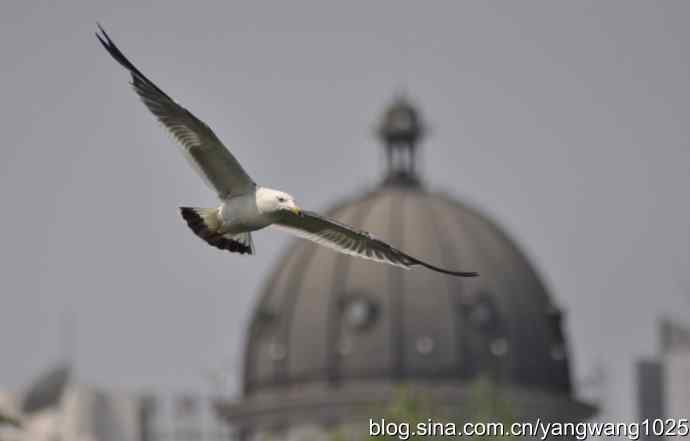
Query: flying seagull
{"type": "Point", "coordinates": [246, 206]}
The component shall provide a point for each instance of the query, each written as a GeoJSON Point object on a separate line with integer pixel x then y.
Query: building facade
{"type": "Point", "coordinates": [663, 383]}
{"type": "Point", "coordinates": [54, 407]}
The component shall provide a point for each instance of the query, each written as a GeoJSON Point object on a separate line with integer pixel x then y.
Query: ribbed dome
{"type": "Point", "coordinates": [329, 318]}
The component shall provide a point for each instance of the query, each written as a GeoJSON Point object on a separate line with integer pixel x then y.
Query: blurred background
{"type": "Point", "coordinates": [550, 154]}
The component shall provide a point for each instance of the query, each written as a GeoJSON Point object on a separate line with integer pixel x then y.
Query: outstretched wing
{"type": "Point", "coordinates": [345, 239]}
{"type": "Point", "coordinates": [202, 147]}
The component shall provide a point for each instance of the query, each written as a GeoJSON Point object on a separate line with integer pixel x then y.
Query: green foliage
{"type": "Point", "coordinates": [7, 420]}
{"type": "Point", "coordinates": [410, 408]}
{"type": "Point", "coordinates": [487, 405]}
{"type": "Point", "coordinates": [484, 403]}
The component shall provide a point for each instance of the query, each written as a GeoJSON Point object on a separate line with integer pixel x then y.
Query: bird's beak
{"type": "Point", "coordinates": [297, 210]}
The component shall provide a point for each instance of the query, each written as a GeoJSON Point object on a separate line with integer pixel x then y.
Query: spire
{"type": "Point", "coordinates": [400, 131]}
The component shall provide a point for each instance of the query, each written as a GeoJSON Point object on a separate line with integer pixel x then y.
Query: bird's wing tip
{"type": "Point", "coordinates": [447, 271]}
{"type": "Point", "coordinates": [103, 37]}
{"type": "Point", "coordinates": [462, 273]}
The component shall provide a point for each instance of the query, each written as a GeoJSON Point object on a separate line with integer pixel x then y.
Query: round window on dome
{"type": "Point", "coordinates": [360, 312]}
{"type": "Point", "coordinates": [499, 347]}
{"type": "Point", "coordinates": [484, 315]}
{"type": "Point", "coordinates": [425, 345]}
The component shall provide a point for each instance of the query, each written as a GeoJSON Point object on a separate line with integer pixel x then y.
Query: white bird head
{"type": "Point", "coordinates": [273, 201]}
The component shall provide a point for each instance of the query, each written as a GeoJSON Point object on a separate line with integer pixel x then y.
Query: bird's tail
{"type": "Point", "coordinates": [204, 223]}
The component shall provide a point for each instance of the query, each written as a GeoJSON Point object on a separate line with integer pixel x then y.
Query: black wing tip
{"type": "Point", "coordinates": [455, 273]}
{"type": "Point", "coordinates": [445, 271]}
{"type": "Point", "coordinates": [116, 53]}
{"type": "Point", "coordinates": [467, 274]}
{"type": "Point", "coordinates": [103, 36]}
{"type": "Point", "coordinates": [113, 50]}
{"type": "Point", "coordinates": [101, 30]}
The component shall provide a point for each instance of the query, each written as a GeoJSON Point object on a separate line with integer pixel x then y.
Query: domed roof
{"type": "Point", "coordinates": [329, 318]}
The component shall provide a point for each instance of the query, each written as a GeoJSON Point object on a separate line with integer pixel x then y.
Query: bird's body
{"type": "Point", "coordinates": [245, 206]}
{"type": "Point", "coordinates": [239, 214]}
{"type": "Point", "coordinates": [235, 218]}
{"type": "Point", "coordinates": [243, 213]}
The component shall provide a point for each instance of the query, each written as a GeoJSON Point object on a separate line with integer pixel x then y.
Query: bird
{"type": "Point", "coordinates": [245, 206]}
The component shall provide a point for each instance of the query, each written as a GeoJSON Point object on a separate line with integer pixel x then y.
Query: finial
{"type": "Point", "coordinates": [401, 130]}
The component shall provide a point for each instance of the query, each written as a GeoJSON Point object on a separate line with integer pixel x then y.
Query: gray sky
{"type": "Point", "coordinates": [567, 122]}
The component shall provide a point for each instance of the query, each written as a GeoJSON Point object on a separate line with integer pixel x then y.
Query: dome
{"type": "Point", "coordinates": [328, 318]}
{"type": "Point", "coordinates": [332, 336]}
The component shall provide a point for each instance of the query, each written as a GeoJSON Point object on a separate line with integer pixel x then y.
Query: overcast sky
{"type": "Point", "coordinates": [566, 122]}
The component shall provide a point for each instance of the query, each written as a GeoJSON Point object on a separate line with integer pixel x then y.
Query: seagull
{"type": "Point", "coordinates": [245, 206]}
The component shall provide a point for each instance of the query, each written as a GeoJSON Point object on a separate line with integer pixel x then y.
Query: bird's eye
{"type": "Point", "coordinates": [281, 199]}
